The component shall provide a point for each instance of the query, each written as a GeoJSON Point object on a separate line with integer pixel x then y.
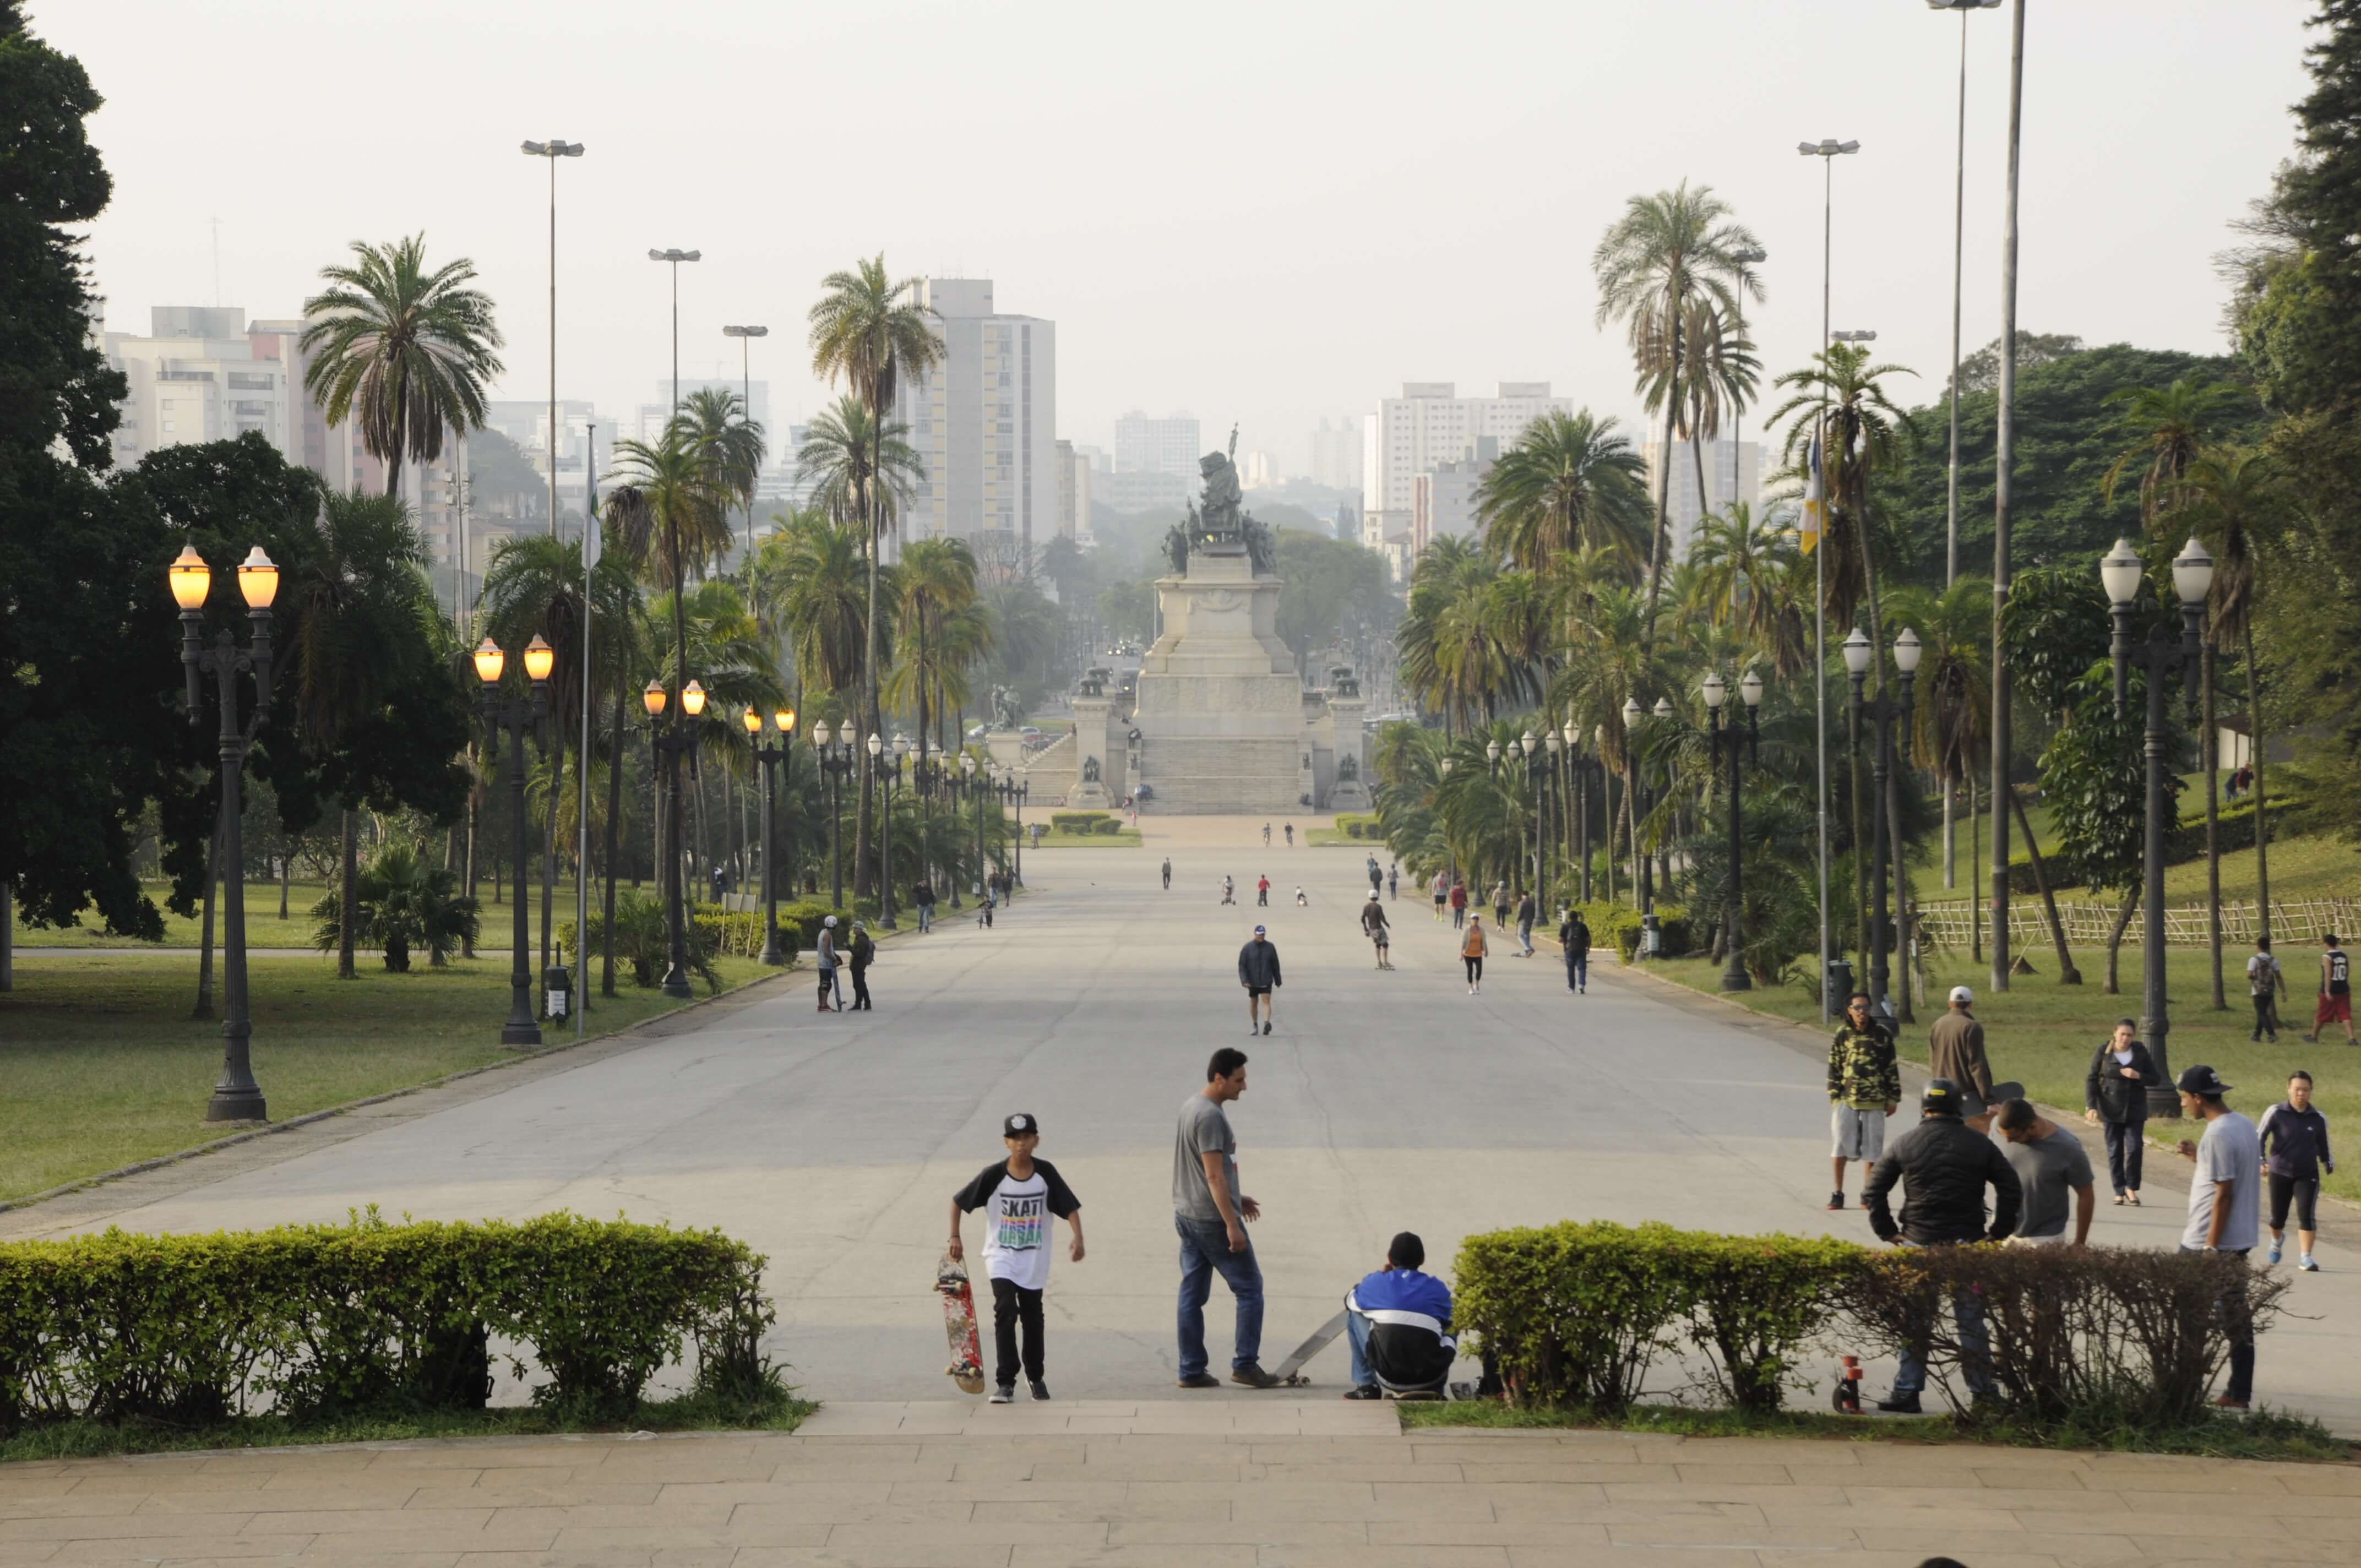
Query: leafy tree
{"type": "Point", "coordinates": [408, 350]}
{"type": "Point", "coordinates": [402, 900]}
{"type": "Point", "coordinates": [2095, 781]}
{"type": "Point", "coordinates": [1980, 371]}
{"type": "Point", "coordinates": [1128, 610]}
{"type": "Point", "coordinates": [1325, 584]}
{"type": "Point", "coordinates": [1839, 398]}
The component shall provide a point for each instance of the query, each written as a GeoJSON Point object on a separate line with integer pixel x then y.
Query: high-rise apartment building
{"type": "Point", "coordinates": [1073, 493]}
{"type": "Point", "coordinates": [1442, 499]}
{"type": "Point", "coordinates": [1430, 423]}
{"type": "Point", "coordinates": [1683, 506]}
{"type": "Point", "coordinates": [1167, 445]}
{"type": "Point", "coordinates": [1336, 455]}
{"type": "Point", "coordinates": [984, 424]}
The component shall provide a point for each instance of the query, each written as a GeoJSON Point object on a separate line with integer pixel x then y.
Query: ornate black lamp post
{"type": "Point", "coordinates": [1014, 791]}
{"type": "Point", "coordinates": [236, 1097]}
{"type": "Point", "coordinates": [1554, 793]}
{"type": "Point", "coordinates": [1726, 738]}
{"type": "Point", "coordinates": [771, 757]}
{"type": "Point", "coordinates": [889, 775]}
{"type": "Point", "coordinates": [2162, 656]}
{"type": "Point", "coordinates": [669, 742]}
{"type": "Point", "coordinates": [1892, 717]}
{"type": "Point", "coordinates": [977, 788]}
{"type": "Point", "coordinates": [517, 714]}
{"type": "Point", "coordinates": [835, 760]}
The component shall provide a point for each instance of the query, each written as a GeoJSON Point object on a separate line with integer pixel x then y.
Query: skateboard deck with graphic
{"type": "Point", "coordinates": [959, 1323]}
{"type": "Point", "coordinates": [1291, 1372]}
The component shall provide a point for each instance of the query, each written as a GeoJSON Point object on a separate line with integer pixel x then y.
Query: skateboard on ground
{"type": "Point", "coordinates": [958, 1322]}
{"type": "Point", "coordinates": [1290, 1372]}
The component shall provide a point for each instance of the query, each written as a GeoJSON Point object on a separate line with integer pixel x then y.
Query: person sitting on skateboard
{"type": "Point", "coordinates": [1398, 1322]}
{"type": "Point", "coordinates": [1024, 1193]}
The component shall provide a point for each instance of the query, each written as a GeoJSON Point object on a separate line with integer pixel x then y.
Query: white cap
{"type": "Point", "coordinates": [1961, 994]}
{"type": "Point", "coordinates": [829, 921]}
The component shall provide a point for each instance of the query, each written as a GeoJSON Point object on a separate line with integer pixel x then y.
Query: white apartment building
{"type": "Point", "coordinates": [1442, 499]}
{"type": "Point", "coordinates": [1683, 508]}
{"type": "Point", "coordinates": [1336, 455]}
{"type": "Point", "coordinates": [984, 425]}
{"type": "Point", "coordinates": [1430, 423]}
{"type": "Point", "coordinates": [1145, 490]}
{"type": "Point", "coordinates": [1075, 494]}
{"type": "Point", "coordinates": [198, 374]}
{"type": "Point", "coordinates": [1167, 445]}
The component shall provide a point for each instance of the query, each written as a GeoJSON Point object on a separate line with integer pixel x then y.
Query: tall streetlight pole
{"type": "Point", "coordinates": [1828, 150]}
{"type": "Point", "coordinates": [744, 335]}
{"type": "Point", "coordinates": [517, 715]}
{"type": "Point", "coordinates": [552, 150]}
{"type": "Point", "coordinates": [770, 757]}
{"type": "Point", "coordinates": [236, 1097]}
{"type": "Point", "coordinates": [675, 256]}
{"type": "Point", "coordinates": [1959, 263]}
{"type": "Point", "coordinates": [670, 741]}
{"type": "Point", "coordinates": [2004, 467]}
{"type": "Point", "coordinates": [2161, 657]}
{"type": "Point", "coordinates": [679, 737]}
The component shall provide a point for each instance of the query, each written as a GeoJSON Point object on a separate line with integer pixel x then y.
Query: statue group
{"type": "Point", "coordinates": [1005, 708]}
{"type": "Point", "coordinates": [1218, 523]}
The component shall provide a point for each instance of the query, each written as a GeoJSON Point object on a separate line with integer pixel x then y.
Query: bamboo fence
{"type": "Point", "coordinates": [1946, 923]}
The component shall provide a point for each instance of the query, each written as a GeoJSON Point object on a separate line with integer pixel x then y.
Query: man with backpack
{"type": "Point", "coordinates": [1573, 937]}
{"type": "Point", "coordinates": [2266, 983]}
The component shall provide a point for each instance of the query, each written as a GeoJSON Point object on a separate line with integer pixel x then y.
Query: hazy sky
{"type": "Point", "coordinates": [1265, 212]}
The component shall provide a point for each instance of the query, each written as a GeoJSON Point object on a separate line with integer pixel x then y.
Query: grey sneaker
{"type": "Point", "coordinates": [1003, 1393]}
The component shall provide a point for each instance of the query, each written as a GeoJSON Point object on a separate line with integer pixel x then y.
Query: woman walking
{"type": "Point", "coordinates": [1472, 949]}
{"type": "Point", "coordinates": [2115, 1093]}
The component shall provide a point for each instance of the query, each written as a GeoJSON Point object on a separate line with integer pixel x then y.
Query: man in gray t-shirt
{"type": "Point", "coordinates": [2050, 1163]}
{"type": "Point", "coordinates": [2225, 1203]}
{"type": "Point", "coordinates": [1209, 1214]}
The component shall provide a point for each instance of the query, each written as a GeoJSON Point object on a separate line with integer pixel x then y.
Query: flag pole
{"type": "Point", "coordinates": [591, 542]}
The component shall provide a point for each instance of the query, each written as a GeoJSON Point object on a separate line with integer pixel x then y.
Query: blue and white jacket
{"type": "Point", "coordinates": [1410, 1344]}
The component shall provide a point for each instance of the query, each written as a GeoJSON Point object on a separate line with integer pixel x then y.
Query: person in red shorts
{"type": "Point", "coordinates": [2335, 991]}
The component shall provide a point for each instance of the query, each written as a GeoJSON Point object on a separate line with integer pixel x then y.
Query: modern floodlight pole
{"type": "Point", "coordinates": [552, 150]}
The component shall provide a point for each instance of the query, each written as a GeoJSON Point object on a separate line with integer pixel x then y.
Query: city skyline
{"type": "Point", "coordinates": [1270, 327]}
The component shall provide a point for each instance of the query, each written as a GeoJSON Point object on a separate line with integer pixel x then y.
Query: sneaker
{"type": "Point", "coordinates": [1040, 1390]}
{"type": "Point", "coordinates": [1252, 1031]}
{"type": "Point", "coordinates": [1836, 1201]}
{"type": "Point", "coordinates": [2306, 1263]}
{"type": "Point", "coordinates": [1265, 1028]}
{"type": "Point", "coordinates": [2273, 1255]}
{"type": "Point", "coordinates": [2310, 1040]}
{"type": "Point", "coordinates": [1252, 1376]}
{"type": "Point", "coordinates": [1199, 1380]}
{"type": "Point", "coordinates": [1900, 1405]}
{"type": "Point", "coordinates": [2229, 1402]}
{"type": "Point", "coordinates": [1366, 1391]}
{"type": "Point", "coordinates": [1004, 1394]}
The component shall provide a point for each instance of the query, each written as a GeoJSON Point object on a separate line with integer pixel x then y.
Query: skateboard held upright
{"type": "Point", "coordinates": [959, 1323]}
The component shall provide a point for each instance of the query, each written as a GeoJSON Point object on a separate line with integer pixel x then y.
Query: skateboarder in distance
{"type": "Point", "coordinates": [1373, 925]}
{"type": "Point", "coordinates": [1023, 1194]}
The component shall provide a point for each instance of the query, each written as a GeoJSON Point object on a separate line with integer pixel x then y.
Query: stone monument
{"type": "Point", "coordinates": [1220, 706]}
{"type": "Point", "coordinates": [1094, 733]}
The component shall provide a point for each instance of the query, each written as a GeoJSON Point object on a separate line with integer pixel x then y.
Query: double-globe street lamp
{"type": "Point", "coordinates": [669, 739]}
{"type": "Point", "coordinates": [1644, 867]}
{"type": "Point", "coordinates": [892, 775]}
{"type": "Point", "coordinates": [770, 757]}
{"type": "Point", "coordinates": [976, 788]}
{"type": "Point", "coordinates": [2160, 656]}
{"type": "Point", "coordinates": [1726, 738]}
{"type": "Point", "coordinates": [835, 760]}
{"type": "Point", "coordinates": [517, 714]}
{"type": "Point", "coordinates": [236, 1097]}
{"type": "Point", "coordinates": [1892, 717]}
{"type": "Point", "coordinates": [1014, 793]}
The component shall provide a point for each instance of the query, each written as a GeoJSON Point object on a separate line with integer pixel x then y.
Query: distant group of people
{"type": "Point", "coordinates": [835, 957]}
{"type": "Point", "coordinates": [2333, 1002]}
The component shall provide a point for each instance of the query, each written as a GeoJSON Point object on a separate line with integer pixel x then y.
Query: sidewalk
{"type": "Point", "coordinates": [1265, 1482]}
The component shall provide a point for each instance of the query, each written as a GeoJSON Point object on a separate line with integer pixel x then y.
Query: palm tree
{"type": "Point", "coordinates": [936, 581]}
{"type": "Point", "coordinates": [1664, 253]}
{"type": "Point", "coordinates": [868, 332]}
{"type": "Point", "coordinates": [2169, 426]}
{"type": "Point", "coordinates": [1570, 482]}
{"type": "Point", "coordinates": [1951, 722]}
{"type": "Point", "coordinates": [1738, 563]}
{"type": "Point", "coordinates": [839, 454]}
{"type": "Point", "coordinates": [812, 571]}
{"type": "Point", "coordinates": [1839, 397]}
{"type": "Point", "coordinates": [2236, 500]}
{"type": "Point", "coordinates": [1716, 373]}
{"type": "Point", "coordinates": [412, 349]}
{"type": "Point", "coordinates": [731, 445]}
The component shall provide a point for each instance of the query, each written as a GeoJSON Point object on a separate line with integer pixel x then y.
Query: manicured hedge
{"type": "Point", "coordinates": [1081, 821]}
{"type": "Point", "coordinates": [1572, 1315]}
{"type": "Point", "coordinates": [321, 1320]}
{"type": "Point", "coordinates": [1359, 824]}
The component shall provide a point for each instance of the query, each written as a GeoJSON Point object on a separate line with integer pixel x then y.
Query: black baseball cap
{"type": "Point", "coordinates": [1021, 1127]}
{"type": "Point", "coordinates": [2201, 1080]}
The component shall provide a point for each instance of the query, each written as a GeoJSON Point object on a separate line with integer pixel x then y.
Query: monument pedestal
{"type": "Point", "coordinates": [1220, 706]}
{"type": "Point", "coordinates": [1097, 774]}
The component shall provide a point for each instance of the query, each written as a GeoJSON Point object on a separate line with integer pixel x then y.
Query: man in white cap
{"type": "Point", "coordinates": [1955, 1048]}
{"type": "Point", "coordinates": [824, 953]}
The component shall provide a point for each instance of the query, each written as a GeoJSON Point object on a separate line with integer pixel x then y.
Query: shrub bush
{"type": "Point", "coordinates": [736, 932]}
{"type": "Point", "coordinates": [640, 939]}
{"type": "Point", "coordinates": [1077, 821]}
{"type": "Point", "coordinates": [1107, 826]}
{"type": "Point", "coordinates": [326, 1319]}
{"type": "Point", "coordinates": [1358, 825]}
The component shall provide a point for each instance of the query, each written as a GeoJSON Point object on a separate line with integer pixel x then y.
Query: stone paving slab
{"type": "Point", "coordinates": [1116, 1482]}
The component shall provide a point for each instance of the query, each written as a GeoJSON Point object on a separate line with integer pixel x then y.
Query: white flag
{"type": "Point", "coordinates": [1815, 502]}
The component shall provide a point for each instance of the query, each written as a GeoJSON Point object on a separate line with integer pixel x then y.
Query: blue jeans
{"type": "Point", "coordinates": [1356, 1338]}
{"type": "Point", "coordinates": [1205, 1252]}
{"type": "Point", "coordinates": [1577, 970]}
{"type": "Point", "coordinates": [1976, 1345]}
{"type": "Point", "coordinates": [926, 917]}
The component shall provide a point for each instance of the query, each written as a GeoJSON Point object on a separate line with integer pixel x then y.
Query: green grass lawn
{"type": "Point", "coordinates": [1121, 838]}
{"type": "Point", "coordinates": [2042, 1033]}
{"type": "Point", "coordinates": [105, 1067]}
{"type": "Point", "coordinates": [263, 927]}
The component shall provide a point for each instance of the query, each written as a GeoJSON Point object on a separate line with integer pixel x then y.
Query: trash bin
{"type": "Point", "coordinates": [1839, 986]}
{"type": "Point", "coordinates": [559, 985]}
{"type": "Point", "coordinates": [1652, 935]}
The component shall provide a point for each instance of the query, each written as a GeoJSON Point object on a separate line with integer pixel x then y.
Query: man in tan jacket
{"type": "Point", "coordinates": [1955, 1047]}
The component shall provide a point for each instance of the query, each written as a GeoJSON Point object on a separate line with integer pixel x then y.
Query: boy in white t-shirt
{"type": "Point", "coordinates": [1023, 1195]}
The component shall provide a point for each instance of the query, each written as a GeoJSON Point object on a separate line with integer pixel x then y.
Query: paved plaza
{"type": "Point", "coordinates": [1383, 1101]}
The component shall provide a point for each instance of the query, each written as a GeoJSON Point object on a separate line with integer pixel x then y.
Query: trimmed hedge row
{"type": "Point", "coordinates": [1572, 1315]}
{"type": "Point", "coordinates": [1083, 822]}
{"type": "Point", "coordinates": [321, 1320]}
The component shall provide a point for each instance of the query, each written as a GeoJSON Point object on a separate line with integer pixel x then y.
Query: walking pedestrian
{"type": "Point", "coordinates": [1954, 1049]}
{"type": "Point", "coordinates": [1266, 835]}
{"type": "Point", "coordinates": [1574, 937]}
{"type": "Point", "coordinates": [1168, 873]}
{"type": "Point", "coordinates": [1259, 973]}
{"type": "Point", "coordinates": [864, 953]}
{"type": "Point", "coordinates": [1210, 1214]}
{"type": "Point", "coordinates": [1944, 1166]}
{"type": "Point", "coordinates": [825, 956]}
{"type": "Point", "coordinates": [2114, 1095]}
{"type": "Point", "coordinates": [1024, 1194]}
{"type": "Point", "coordinates": [2050, 1164]}
{"type": "Point", "coordinates": [1458, 905]}
{"type": "Point", "coordinates": [1262, 892]}
{"type": "Point", "coordinates": [986, 905]}
{"type": "Point", "coordinates": [1393, 880]}
{"type": "Point", "coordinates": [922, 896]}
{"type": "Point", "coordinates": [2224, 1206]}
{"type": "Point", "coordinates": [2294, 1141]}
{"type": "Point", "coordinates": [2335, 991]}
{"type": "Point", "coordinates": [1864, 1089]}
{"type": "Point", "coordinates": [1377, 877]}
{"type": "Point", "coordinates": [1472, 949]}
{"type": "Point", "coordinates": [1373, 926]}
{"type": "Point", "coordinates": [1442, 892]}
{"type": "Point", "coordinates": [1300, 902]}
{"type": "Point", "coordinates": [1290, 835]}
{"type": "Point", "coordinates": [2266, 983]}
{"type": "Point", "coordinates": [1229, 891]}
{"type": "Point", "coordinates": [1500, 906]}
{"type": "Point", "coordinates": [1526, 924]}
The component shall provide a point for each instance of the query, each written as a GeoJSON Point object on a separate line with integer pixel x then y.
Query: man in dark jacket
{"type": "Point", "coordinates": [864, 953]}
{"type": "Point", "coordinates": [1259, 973]}
{"type": "Point", "coordinates": [2114, 1095]}
{"type": "Point", "coordinates": [1945, 1167]}
{"type": "Point", "coordinates": [1574, 936]}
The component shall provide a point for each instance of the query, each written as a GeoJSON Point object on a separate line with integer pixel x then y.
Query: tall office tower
{"type": "Point", "coordinates": [1336, 455]}
{"type": "Point", "coordinates": [984, 425]}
